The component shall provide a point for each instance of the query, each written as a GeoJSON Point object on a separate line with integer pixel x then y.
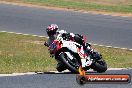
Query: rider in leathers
{"type": "Point", "coordinates": [52, 32]}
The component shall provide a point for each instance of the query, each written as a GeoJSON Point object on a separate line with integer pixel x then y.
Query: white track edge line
{"type": "Point", "coordinates": [47, 37]}
{"type": "Point", "coordinates": [18, 74]}
{"type": "Point", "coordinates": [34, 73]}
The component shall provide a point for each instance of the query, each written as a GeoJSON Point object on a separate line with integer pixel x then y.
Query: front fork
{"type": "Point", "coordinates": [86, 61]}
{"type": "Point", "coordinates": [96, 56]}
{"type": "Point", "coordinates": [91, 59]}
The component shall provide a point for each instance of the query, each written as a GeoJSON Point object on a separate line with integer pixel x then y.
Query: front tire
{"type": "Point", "coordinates": [100, 66]}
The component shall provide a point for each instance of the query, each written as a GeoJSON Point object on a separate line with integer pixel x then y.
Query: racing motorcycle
{"type": "Point", "coordinates": [73, 55]}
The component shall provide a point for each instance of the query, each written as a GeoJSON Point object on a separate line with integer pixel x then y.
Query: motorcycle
{"type": "Point", "coordinates": [73, 55]}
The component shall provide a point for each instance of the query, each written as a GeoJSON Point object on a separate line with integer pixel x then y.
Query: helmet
{"type": "Point", "coordinates": [51, 29]}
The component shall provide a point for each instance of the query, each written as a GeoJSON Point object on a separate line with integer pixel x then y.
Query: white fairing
{"type": "Point", "coordinates": [70, 45]}
{"type": "Point", "coordinates": [69, 55]}
{"type": "Point", "coordinates": [86, 61]}
{"type": "Point", "coordinates": [61, 31]}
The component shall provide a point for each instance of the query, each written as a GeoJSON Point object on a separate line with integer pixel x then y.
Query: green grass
{"type": "Point", "coordinates": [116, 58]}
{"type": "Point", "coordinates": [19, 53]}
{"type": "Point", "coordinates": [123, 6]}
{"type": "Point", "coordinates": [83, 5]}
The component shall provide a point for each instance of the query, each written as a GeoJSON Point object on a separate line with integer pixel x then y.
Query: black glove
{"type": "Point", "coordinates": [46, 44]}
{"type": "Point", "coordinates": [66, 36]}
{"type": "Point", "coordinates": [79, 35]}
{"type": "Point", "coordinates": [87, 44]}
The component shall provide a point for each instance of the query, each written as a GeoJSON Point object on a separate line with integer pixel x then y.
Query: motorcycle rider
{"type": "Point", "coordinates": [52, 32]}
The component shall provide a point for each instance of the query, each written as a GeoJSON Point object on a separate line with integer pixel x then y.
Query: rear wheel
{"type": "Point", "coordinates": [60, 67]}
{"type": "Point", "coordinates": [72, 65]}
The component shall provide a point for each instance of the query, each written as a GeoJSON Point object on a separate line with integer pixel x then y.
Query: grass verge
{"type": "Point", "coordinates": [122, 6]}
{"type": "Point", "coordinates": [20, 53]}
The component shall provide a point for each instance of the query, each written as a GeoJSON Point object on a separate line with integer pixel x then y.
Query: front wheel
{"type": "Point", "coordinates": [99, 66]}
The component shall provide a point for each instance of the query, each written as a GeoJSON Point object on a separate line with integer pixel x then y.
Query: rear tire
{"type": "Point", "coordinates": [60, 67]}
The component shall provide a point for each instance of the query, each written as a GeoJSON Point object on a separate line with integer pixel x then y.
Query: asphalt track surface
{"type": "Point", "coordinates": [62, 80]}
{"type": "Point", "coordinates": [99, 29]}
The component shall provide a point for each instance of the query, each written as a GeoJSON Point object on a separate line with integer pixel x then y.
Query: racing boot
{"type": "Point", "coordinates": [60, 67]}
